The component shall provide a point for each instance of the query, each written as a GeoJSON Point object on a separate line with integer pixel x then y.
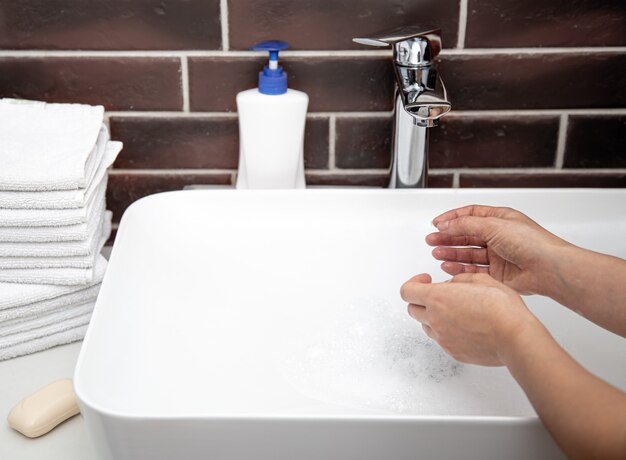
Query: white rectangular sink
{"type": "Point", "coordinates": [268, 325]}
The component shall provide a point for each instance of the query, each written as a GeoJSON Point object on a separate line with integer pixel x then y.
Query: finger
{"type": "Point", "coordinates": [443, 239]}
{"type": "Point", "coordinates": [470, 210]}
{"type": "Point", "coordinates": [478, 278]}
{"type": "Point", "coordinates": [418, 313]}
{"type": "Point", "coordinates": [418, 293]}
{"type": "Point", "coordinates": [422, 278]}
{"type": "Point", "coordinates": [456, 268]}
{"type": "Point", "coordinates": [477, 227]}
{"type": "Point", "coordinates": [429, 332]}
{"type": "Point", "coordinates": [464, 255]}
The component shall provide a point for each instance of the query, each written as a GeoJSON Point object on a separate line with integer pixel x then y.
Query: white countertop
{"type": "Point", "coordinates": [22, 376]}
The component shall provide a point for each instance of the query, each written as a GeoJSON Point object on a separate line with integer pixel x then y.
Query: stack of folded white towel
{"type": "Point", "coordinates": [53, 222]}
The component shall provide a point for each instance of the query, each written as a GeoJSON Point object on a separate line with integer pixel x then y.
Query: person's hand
{"type": "Point", "coordinates": [501, 242]}
{"type": "Point", "coordinates": [474, 318]}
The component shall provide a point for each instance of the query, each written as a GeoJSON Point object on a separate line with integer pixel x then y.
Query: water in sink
{"type": "Point", "coordinates": [373, 355]}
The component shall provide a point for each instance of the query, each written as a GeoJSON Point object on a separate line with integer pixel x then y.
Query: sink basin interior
{"type": "Point", "coordinates": [234, 303]}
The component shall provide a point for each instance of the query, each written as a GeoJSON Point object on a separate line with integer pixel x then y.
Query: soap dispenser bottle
{"type": "Point", "coordinates": [271, 128]}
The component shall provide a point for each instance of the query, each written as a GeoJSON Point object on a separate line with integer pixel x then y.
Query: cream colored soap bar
{"type": "Point", "coordinates": [40, 412]}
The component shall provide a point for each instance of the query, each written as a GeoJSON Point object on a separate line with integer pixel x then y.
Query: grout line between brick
{"type": "Point", "coordinates": [460, 44]}
{"type": "Point", "coordinates": [306, 53]}
{"type": "Point", "coordinates": [169, 114]}
{"type": "Point", "coordinates": [224, 24]}
{"type": "Point", "coordinates": [191, 53]}
{"type": "Point", "coordinates": [531, 112]}
{"type": "Point", "coordinates": [454, 113]}
{"type": "Point", "coordinates": [562, 141]}
{"type": "Point", "coordinates": [332, 138]}
{"type": "Point", "coordinates": [434, 172]}
{"type": "Point", "coordinates": [184, 76]}
{"type": "Point", "coordinates": [154, 172]}
{"type": "Point", "coordinates": [546, 170]}
{"type": "Point", "coordinates": [532, 51]}
{"type": "Point", "coordinates": [456, 180]}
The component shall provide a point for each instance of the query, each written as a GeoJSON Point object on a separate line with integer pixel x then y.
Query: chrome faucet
{"type": "Point", "coordinates": [420, 99]}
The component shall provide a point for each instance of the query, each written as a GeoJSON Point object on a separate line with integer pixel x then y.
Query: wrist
{"type": "Point", "coordinates": [521, 339]}
{"type": "Point", "coordinates": [558, 260]}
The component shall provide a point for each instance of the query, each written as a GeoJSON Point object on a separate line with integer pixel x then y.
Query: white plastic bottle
{"type": "Point", "coordinates": [271, 129]}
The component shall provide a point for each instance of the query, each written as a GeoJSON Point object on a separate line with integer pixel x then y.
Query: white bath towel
{"type": "Point", "coordinates": [75, 232]}
{"type": "Point", "coordinates": [51, 305]}
{"type": "Point", "coordinates": [63, 199]}
{"type": "Point", "coordinates": [10, 330]}
{"type": "Point", "coordinates": [86, 261]}
{"type": "Point", "coordinates": [45, 342]}
{"type": "Point", "coordinates": [43, 331]}
{"type": "Point", "coordinates": [13, 295]}
{"type": "Point", "coordinates": [56, 248]}
{"type": "Point", "coordinates": [48, 337]}
{"type": "Point", "coordinates": [59, 275]}
{"type": "Point", "coordinates": [56, 217]}
{"type": "Point", "coordinates": [47, 146]}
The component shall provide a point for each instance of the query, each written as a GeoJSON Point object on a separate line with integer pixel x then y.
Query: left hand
{"type": "Point", "coordinates": [474, 318]}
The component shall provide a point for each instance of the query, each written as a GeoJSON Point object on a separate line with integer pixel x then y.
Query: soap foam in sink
{"type": "Point", "coordinates": [371, 355]}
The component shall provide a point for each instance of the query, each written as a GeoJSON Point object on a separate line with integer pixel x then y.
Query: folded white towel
{"type": "Point", "coordinates": [48, 337]}
{"type": "Point", "coordinates": [45, 342]}
{"type": "Point", "coordinates": [51, 305]}
{"type": "Point", "coordinates": [10, 330]}
{"type": "Point", "coordinates": [75, 232]}
{"type": "Point", "coordinates": [43, 331]}
{"type": "Point", "coordinates": [54, 248]}
{"type": "Point", "coordinates": [62, 276]}
{"type": "Point", "coordinates": [47, 146]}
{"type": "Point", "coordinates": [87, 261]}
{"type": "Point", "coordinates": [14, 295]}
{"type": "Point", "coordinates": [63, 199]}
{"type": "Point", "coordinates": [53, 217]}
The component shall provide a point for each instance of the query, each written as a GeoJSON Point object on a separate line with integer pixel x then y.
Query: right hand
{"type": "Point", "coordinates": [501, 242]}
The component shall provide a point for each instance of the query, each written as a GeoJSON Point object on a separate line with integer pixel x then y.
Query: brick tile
{"type": "Point", "coordinates": [316, 143]}
{"type": "Point", "coordinates": [329, 24]}
{"type": "Point", "coordinates": [596, 141]}
{"type": "Point", "coordinates": [124, 189]}
{"type": "Point", "coordinates": [116, 83]}
{"type": "Point", "coordinates": [332, 83]}
{"type": "Point", "coordinates": [546, 81]}
{"type": "Point", "coordinates": [533, 180]}
{"type": "Point", "coordinates": [485, 142]}
{"type": "Point", "coordinates": [520, 23]}
{"type": "Point", "coordinates": [473, 82]}
{"type": "Point", "coordinates": [439, 180]}
{"type": "Point", "coordinates": [368, 180]}
{"type": "Point", "coordinates": [152, 143]}
{"type": "Point", "coordinates": [110, 24]}
{"type": "Point", "coordinates": [457, 142]}
{"type": "Point", "coordinates": [205, 142]}
{"type": "Point", "coordinates": [363, 142]}
{"type": "Point", "coordinates": [435, 180]}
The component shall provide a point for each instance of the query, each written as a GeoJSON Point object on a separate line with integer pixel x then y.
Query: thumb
{"type": "Point", "coordinates": [421, 278]}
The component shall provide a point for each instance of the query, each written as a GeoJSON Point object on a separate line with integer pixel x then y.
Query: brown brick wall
{"type": "Point", "coordinates": [538, 88]}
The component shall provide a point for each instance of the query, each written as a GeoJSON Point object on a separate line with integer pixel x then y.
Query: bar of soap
{"type": "Point", "coordinates": [40, 412]}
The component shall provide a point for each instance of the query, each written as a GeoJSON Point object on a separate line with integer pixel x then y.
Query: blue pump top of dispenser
{"type": "Point", "coordinates": [272, 79]}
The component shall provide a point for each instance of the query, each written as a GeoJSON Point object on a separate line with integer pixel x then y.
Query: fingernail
{"type": "Point", "coordinates": [442, 225]}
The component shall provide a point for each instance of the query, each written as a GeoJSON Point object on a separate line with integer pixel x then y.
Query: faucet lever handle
{"type": "Point", "coordinates": [402, 38]}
